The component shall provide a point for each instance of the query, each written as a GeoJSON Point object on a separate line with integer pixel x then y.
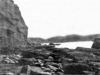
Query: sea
{"type": "Point", "coordinates": [74, 45]}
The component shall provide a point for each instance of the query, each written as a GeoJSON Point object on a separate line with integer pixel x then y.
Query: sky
{"type": "Point", "coordinates": [48, 18]}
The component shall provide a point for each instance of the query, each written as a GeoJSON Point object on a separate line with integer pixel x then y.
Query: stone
{"type": "Point", "coordinates": [60, 73]}
{"type": "Point", "coordinates": [50, 59]}
{"type": "Point", "coordinates": [13, 30]}
{"type": "Point", "coordinates": [66, 60]}
{"type": "Point", "coordinates": [89, 73]}
{"type": "Point", "coordinates": [52, 67]}
{"type": "Point", "coordinates": [8, 60]}
{"type": "Point", "coordinates": [40, 62]}
{"type": "Point", "coordinates": [46, 69]}
{"type": "Point", "coordinates": [9, 73]}
{"type": "Point", "coordinates": [25, 61]}
{"type": "Point", "coordinates": [76, 68]}
{"type": "Point", "coordinates": [96, 43]}
{"type": "Point", "coordinates": [27, 70]}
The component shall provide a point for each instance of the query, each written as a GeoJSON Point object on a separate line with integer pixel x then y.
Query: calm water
{"type": "Point", "coordinates": [73, 45]}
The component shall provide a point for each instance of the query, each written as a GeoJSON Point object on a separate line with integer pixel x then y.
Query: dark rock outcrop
{"type": "Point", "coordinates": [13, 30]}
{"type": "Point", "coordinates": [96, 44]}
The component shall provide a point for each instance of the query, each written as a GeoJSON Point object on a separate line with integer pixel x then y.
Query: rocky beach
{"type": "Point", "coordinates": [37, 59]}
{"type": "Point", "coordinates": [20, 56]}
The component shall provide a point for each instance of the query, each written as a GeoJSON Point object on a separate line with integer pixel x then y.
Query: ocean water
{"type": "Point", "coordinates": [73, 45]}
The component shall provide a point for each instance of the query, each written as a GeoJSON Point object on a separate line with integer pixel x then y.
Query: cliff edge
{"type": "Point", "coordinates": [13, 30]}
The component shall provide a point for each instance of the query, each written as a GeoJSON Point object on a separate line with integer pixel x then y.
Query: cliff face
{"type": "Point", "coordinates": [13, 30]}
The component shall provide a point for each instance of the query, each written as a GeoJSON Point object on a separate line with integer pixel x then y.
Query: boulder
{"type": "Point", "coordinates": [25, 70]}
{"type": "Point", "coordinates": [26, 61]}
{"type": "Point", "coordinates": [76, 68]}
{"type": "Point", "coordinates": [32, 71]}
{"type": "Point", "coordinates": [13, 30]}
{"type": "Point", "coordinates": [96, 44]}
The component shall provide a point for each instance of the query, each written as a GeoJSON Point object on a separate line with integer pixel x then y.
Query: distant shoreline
{"type": "Point", "coordinates": [67, 38]}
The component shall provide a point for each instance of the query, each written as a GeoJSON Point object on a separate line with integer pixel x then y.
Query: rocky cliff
{"type": "Point", "coordinates": [13, 30]}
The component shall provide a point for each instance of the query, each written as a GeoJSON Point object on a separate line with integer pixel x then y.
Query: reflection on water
{"type": "Point", "coordinates": [73, 45]}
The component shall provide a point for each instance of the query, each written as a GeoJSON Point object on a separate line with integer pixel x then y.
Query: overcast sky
{"type": "Point", "coordinates": [47, 18]}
